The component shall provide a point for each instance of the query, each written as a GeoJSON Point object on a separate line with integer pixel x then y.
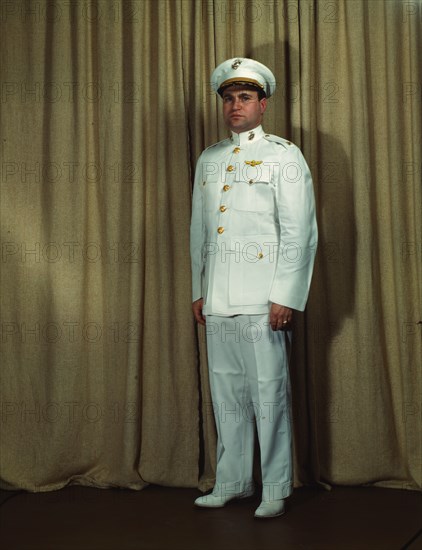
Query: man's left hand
{"type": "Point", "coordinates": [280, 317]}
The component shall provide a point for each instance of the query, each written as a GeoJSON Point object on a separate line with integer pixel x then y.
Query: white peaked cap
{"type": "Point", "coordinates": [241, 70]}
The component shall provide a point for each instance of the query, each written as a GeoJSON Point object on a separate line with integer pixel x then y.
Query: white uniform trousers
{"type": "Point", "coordinates": [249, 379]}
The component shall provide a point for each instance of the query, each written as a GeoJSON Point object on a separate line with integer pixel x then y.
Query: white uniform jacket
{"type": "Point", "coordinates": [253, 228]}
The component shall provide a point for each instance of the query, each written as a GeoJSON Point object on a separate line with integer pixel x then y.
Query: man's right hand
{"type": "Point", "coordinates": [197, 306]}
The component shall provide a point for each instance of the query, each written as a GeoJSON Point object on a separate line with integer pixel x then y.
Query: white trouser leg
{"type": "Point", "coordinates": [265, 359]}
{"type": "Point", "coordinates": [230, 396]}
{"type": "Point", "coordinates": [249, 380]}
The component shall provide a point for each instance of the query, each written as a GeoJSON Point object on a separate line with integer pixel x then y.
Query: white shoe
{"type": "Point", "coordinates": [270, 509]}
{"type": "Point", "coordinates": [218, 501]}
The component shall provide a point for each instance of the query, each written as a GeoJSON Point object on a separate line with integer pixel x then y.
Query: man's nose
{"type": "Point", "coordinates": [237, 103]}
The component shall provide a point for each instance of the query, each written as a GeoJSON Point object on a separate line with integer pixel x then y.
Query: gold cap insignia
{"type": "Point", "coordinates": [236, 64]}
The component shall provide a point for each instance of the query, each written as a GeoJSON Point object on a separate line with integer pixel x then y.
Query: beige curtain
{"type": "Point", "coordinates": [105, 107]}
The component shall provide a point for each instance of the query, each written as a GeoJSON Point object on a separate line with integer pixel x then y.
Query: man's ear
{"type": "Point", "coordinates": [263, 103]}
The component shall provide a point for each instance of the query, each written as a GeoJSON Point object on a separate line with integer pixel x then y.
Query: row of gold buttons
{"type": "Point", "coordinates": [226, 188]}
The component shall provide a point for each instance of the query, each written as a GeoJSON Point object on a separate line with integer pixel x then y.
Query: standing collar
{"type": "Point", "coordinates": [251, 136]}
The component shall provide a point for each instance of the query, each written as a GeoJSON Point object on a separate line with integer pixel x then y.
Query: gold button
{"type": "Point", "coordinates": [204, 182]}
{"type": "Point", "coordinates": [260, 255]}
{"type": "Point", "coordinates": [230, 168]}
{"type": "Point", "coordinates": [250, 182]}
{"type": "Point", "coordinates": [226, 188]}
{"type": "Point", "coordinates": [220, 230]}
{"type": "Point", "coordinates": [236, 150]}
{"type": "Point", "coordinates": [223, 208]}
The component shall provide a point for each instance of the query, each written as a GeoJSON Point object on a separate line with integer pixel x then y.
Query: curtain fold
{"type": "Point", "coordinates": [105, 108]}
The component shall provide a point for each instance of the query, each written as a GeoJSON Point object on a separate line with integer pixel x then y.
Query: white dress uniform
{"type": "Point", "coordinates": [253, 243]}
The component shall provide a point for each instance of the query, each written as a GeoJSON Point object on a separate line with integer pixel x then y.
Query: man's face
{"type": "Point", "coordinates": [242, 110]}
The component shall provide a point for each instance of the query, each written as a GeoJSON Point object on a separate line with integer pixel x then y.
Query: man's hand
{"type": "Point", "coordinates": [197, 306]}
{"type": "Point", "coordinates": [280, 317]}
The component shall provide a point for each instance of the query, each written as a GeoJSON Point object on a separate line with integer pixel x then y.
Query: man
{"type": "Point", "coordinates": [253, 242]}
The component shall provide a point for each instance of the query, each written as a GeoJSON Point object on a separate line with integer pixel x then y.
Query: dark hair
{"type": "Point", "coordinates": [261, 93]}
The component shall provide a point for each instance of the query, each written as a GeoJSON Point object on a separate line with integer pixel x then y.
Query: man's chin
{"type": "Point", "coordinates": [238, 128]}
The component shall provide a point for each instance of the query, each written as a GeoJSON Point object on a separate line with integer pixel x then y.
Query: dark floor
{"type": "Point", "coordinates": [160, 518]}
